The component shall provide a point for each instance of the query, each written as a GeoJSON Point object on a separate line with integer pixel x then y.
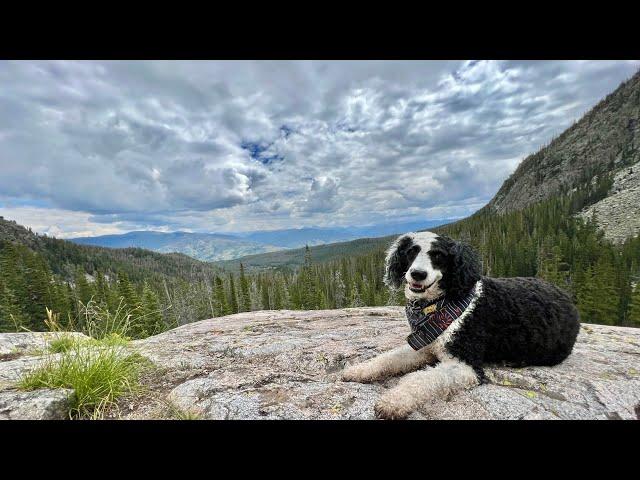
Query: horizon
{"type": "Point", "coordinates": [240, 234]}
{"type": "Point", "coordinates": [245, 232]}
{"type": "Point", "coordinates": [227, 147]}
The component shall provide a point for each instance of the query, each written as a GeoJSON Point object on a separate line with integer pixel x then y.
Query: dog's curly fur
{"type": "Point", "coordinates": [512, 321]}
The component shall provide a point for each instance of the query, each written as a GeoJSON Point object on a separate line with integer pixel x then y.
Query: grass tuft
{"type": "Point", "coordinates": [62, 344]}
{"type": "Point", "coordinates": [66, 343]}
{"type": "Point", "coordinates": [99, 375]}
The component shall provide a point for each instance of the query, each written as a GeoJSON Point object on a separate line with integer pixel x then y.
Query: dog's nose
{"type": "Point", "coordinates": [418, 275]}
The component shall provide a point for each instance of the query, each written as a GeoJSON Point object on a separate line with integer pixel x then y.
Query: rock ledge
{"type": "Point", "coordinates": [287, 364]}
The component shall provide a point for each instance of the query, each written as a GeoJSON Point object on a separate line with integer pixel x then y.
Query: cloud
{"type": "Point", "coordinates": [229, 146]}
{"type": "Point", "coordinates": [322, 196]}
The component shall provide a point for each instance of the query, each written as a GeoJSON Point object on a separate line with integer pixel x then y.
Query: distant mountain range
{"type": "Point", "coordinates": [299, 237]}
{"type": "Point", "coordinates": [201, 246]}
{"type": "Point", "coordinates": [220, 247]}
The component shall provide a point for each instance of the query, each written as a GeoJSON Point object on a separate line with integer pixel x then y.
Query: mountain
{"type": "Point", "coordinates": [201, 246]}
{"type": "Point", "coordinates": [378, 235]}
{"type": "Point", "coordinates": [618, 214]}
{"type": "Point", "coordinates": [221, 247]}
{"type": "Point", "coordinates": [604, 140]}
{"type": "Point", "coordinates": [65, 257]}
{"type": "Point", "coordinates": [293, 258]}
{"type": "Point", "coordinates": [294, 238]}
{"type": "Point", "coordinates": [299, 237]}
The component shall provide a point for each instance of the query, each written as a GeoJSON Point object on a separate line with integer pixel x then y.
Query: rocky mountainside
{"type": "Point", "coordinates": [618, 215]}
{"type": "Point", "coordinates": [605, 140]}
{"type": "Point", "coordinates": [287, 364]}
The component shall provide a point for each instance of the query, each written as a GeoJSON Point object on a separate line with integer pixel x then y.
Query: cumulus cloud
{"type": "Point", "coordinates": [322, 196]}
{"type": "Point", "coordinates": [230, 146]}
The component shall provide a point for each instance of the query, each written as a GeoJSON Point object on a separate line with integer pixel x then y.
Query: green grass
{"type": "Point", "coordinates": [66, 343]}
{"type": "Point", "coordinates": [98, 368]}
{"type": "Point", "coordinates": [62, 344]}
{"type": "Point", "coordinates": [99, 375]}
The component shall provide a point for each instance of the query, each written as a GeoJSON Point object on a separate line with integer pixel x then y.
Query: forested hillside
{"type": "Point", "coordinates": [37, 271]}
{"type": "Point", "coordinates": [64, 257]}
{"type": "Point", "coordinates": [286, 260]}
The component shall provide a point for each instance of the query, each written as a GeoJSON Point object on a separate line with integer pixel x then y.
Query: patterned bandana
{"type": "Point", "coordinates": [430, 318]}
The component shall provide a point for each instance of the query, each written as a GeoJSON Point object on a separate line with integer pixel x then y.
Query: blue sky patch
{"type": "Point", "coordinates": [260, 152]}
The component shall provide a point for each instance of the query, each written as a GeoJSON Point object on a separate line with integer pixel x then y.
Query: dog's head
{"type": "Point", "coordinates": [430, 265]}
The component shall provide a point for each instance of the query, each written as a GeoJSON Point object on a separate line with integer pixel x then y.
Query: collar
{"type": "Point", "coordinates": [430, 318]}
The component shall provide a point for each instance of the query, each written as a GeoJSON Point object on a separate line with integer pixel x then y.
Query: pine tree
{"type": "Point", "coordinates": [127, 293]}
{"type": "Point", "coordinates": [550, 266]}
{"type": "Point", "coordinates": [355, 300]}
{"type": "Point", "coordinates": [233, 299]}
{"type": "Point", "coordinates": [11, 317]}
{"type": "Point", "coordinates": [278, 301]}
{"type": "Point", "coordinates": [634, 307]}
{"type": "Point", "coordinates": [597, 296]}
{"type": "Point", "coordinates": [245, 297]}
{"type": "Point", "coordinates": [62, 303]}
{"type": "Point", "coordinates": [101, 290]}
{"type": "Point", "coordinates": [221, 307]}
{"type": "Point", "coordinates": [39, 291]}
{"type": "Point", "coordinates": [264, 293]}
{"type": "Point", "coordinates": [254, 294]}
{"type": "Point", "coordinates": [339, 290]}
{"type": "Point", "coordinates": [286, 295]}
{"type": "Point", "coordinates": [83, 290]}
{"type": "Point", "coordinates": [150, 317]}
{"type": "Point", "coordinates": [308, 294]}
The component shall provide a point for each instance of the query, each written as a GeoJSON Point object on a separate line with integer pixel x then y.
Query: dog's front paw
{"type": "Point", "coordinates": [361, 373]}
{"type": "Point", "coordinates": [392, 407]}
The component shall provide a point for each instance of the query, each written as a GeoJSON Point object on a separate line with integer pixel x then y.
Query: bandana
{"type": "Point", "coordinates": [430, 318]}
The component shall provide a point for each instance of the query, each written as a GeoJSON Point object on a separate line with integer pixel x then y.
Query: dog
{"type": "Point", "coordinates": [460, 322]}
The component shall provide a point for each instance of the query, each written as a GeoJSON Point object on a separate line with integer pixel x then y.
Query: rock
{"type": "Point", "coordinates": [618, 215]}
{"type": "Point", "coordinates": [11, 371]}
{"type": "Point", "coordinates": [43, 404]}
{"type": "Point", "coordinates": [14, 345]}
{"type": "Point", "coordinates": [287, 364]}
{"type": "Point", "coordinates": [20, 353]}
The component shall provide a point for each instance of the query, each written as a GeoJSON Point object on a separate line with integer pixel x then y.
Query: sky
{"type": "Point", "coordinates": [91, 148]}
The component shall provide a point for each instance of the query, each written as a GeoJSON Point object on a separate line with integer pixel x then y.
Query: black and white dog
{"type": "Point", "coordinates": [463, 321]}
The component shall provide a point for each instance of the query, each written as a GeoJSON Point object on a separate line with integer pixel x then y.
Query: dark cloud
{"type": "Point", "coordinates": [216, 146]}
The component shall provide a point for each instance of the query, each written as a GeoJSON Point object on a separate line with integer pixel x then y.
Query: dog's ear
{"type": "Point", "coordinates": [397, 262]}
{"type": "Point", "coordinates": [465, 270]}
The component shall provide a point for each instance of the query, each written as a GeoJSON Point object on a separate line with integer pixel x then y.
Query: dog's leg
{"type": "Point", "coordinates": [399, 360]}
{"type": "Point", "coordinates": [417, 388]}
